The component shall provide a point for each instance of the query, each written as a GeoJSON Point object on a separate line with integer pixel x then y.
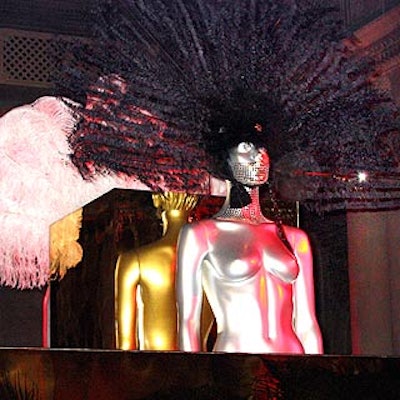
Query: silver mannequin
{"type": "Point", "coordinates": [261, 293]}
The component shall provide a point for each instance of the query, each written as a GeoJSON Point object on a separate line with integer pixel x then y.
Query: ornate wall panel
{"type": "Point", "coordinates": [26, 58]}
{"type": "Point", "coordinates": [374, 270]}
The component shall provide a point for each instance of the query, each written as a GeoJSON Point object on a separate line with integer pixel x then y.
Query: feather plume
{"type": "Point", "coordinates": [39, 185]}
{"type": "Point", "coordinates": [186, 69]}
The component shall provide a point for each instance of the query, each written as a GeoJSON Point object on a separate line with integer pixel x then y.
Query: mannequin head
{"type": "Point", "coordinates": [177, 205]}
{"type": "Point", "coordinates": [170, 201]}
{"type": "Point", "coordinates": [249, 164]}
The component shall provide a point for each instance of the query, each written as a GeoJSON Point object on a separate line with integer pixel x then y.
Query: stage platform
{"type": "Point", "coordinates": [34, 373]}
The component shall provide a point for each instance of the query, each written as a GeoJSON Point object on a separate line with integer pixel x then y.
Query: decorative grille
{"type": "Point", "coordinates": [27, 58]}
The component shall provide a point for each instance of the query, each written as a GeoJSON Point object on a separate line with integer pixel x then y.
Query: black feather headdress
{"type": "Point", "coordinates": [170, 86]}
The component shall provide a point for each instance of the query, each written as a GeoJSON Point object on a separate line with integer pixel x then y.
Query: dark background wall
{"type": "Point", "coordinates": [20, 317]}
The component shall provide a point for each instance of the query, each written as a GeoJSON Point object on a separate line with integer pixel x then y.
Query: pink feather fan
{"type": "Point", "coordinates": [38, 186]}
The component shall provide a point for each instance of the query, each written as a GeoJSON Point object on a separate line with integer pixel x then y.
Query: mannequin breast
{"type": "Point", "coordinates": [238, 251]}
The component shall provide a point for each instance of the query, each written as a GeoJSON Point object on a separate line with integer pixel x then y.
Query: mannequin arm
{"type": "Point", "coordinates": [126, 283]}
{"type": "Point", "coordinates": [305, 321]}
{"type": "Point", "coordinates": [191, 250]}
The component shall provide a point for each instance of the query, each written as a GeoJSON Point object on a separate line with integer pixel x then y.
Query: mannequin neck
{"type": "Point", "coordinates": [250, 214]}
{"type": "Point", "coordinates": [173, 221]}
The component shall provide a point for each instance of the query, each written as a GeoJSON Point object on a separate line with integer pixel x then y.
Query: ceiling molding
{"type": "Point", "coordinates": [380, 39]}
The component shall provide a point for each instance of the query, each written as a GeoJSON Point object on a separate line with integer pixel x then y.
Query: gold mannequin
{"type": "Point", "coordinates": [151, 269]}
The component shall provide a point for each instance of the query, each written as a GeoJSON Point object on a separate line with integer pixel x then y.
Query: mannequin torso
{"type": "Point", "coordinates": [259, 288]}
{"type": "Point", "coordinates": [150, 269]}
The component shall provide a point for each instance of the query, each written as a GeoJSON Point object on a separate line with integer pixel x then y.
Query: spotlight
{"type": "Point", "coordinates": [362, 176]}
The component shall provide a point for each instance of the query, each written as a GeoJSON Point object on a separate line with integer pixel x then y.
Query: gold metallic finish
{"type": "Point", "coordinates": [151, 270]}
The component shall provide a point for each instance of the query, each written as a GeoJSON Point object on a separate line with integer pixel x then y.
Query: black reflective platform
{"type": "Point", "coordinates": [100, 374]}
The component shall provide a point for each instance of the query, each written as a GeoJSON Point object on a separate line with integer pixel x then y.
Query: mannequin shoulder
{"type": "Point", "coordinates": [199, 226]}
{"type": "Point", "coordinates": [198, 231]}
{"type": "Point", "coordinates": [129, 256]}
{"type": "Point", "coordinates": [297, 237]}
